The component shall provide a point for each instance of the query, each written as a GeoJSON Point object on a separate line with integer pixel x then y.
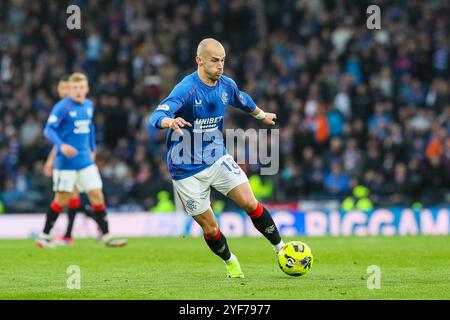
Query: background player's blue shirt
{"type": "Point", "coordinates": [204, 107]}
{"type": "Point", "coordinates": [71, 122]}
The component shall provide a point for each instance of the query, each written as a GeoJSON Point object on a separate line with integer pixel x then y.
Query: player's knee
{"type": "Point", "coordinates": [249, 204]}
{"type": "Point", "coordinates": [75, 194]}
{"type": "Point", "coordinates": [60, 203]}
{"type": "Point", "coordinates": [210, 231]}
{"type": "Point", "coordinates": [97, 202]}
{"type": "Point", "coordinates": [61, 199]}
{"type": "Point", "coordinates": [96, 197]}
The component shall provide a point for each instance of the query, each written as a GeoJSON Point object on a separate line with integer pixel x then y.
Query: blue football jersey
{"type": "Point", "coordinates": [203, 107]}
{"type": "Point", "coordinates": [71, 123]}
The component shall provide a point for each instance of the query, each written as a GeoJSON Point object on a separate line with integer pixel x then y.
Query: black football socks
{"type": "Point", "coordinates": [218, 245]}
{"type": "Point", "coordinates": [99, 212]}
{"type": "Point", "coordinates": [264, 223]}
{"type": "Point", "coordinates": [72, 208]}
{"type": "Point", "coordinates": [52, 214]}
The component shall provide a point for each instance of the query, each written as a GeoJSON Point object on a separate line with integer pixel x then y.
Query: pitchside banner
{"type": "Point", "coordinates": [383, 221]}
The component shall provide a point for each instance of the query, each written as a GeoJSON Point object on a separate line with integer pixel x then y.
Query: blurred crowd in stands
{"type": "Point", "coordinates": [355, 106]}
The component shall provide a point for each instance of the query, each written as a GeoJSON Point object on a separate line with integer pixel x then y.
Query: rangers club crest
{"type": "Point", "coordinates": [224, 98]}
{"type": "Point", "coordinates": [192, 204]}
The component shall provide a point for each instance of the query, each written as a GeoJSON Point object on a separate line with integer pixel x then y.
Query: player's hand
{"type": "Point", "coordinates": [178, 123]}
{"type": "Point", "coordinates": [48, 168]}
{"type": "Point", "coordinates": [68, 150]}
{"type": "Point", "coordinates": [270, 119]}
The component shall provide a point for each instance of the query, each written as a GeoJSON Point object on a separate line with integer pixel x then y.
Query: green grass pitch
{"type": "Point", "coordinates": [184, 268]}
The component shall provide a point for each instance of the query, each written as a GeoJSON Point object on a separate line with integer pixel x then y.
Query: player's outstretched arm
{"type": "Point", "coordinates": [243, 101]}
{"type": "Point", "coordinates": [266, 117]}
{"type": "Point", "coordinates": [175, 124]}
{"type": "Point", "coordinates": [165, 112]}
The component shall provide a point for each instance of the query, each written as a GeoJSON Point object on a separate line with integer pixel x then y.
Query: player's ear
{"type": "Point", "coordinates": [198, 60]}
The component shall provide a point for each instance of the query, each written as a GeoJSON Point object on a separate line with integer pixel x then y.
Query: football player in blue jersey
{"type": "Point", "coordinates": [74, 204]}
{"type": "Point", "coordinates": [70, 127]}
{"type": "Point", "coordinates": [196, 106]}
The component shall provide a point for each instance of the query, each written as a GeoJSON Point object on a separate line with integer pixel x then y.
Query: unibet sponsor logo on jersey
{"type": "Point", "coordinates": [206, 124]}
{"type": "Point", "coordinates": [82, 126]}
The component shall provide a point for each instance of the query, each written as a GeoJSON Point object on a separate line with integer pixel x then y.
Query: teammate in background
{"type": "Point", "coordinates": [197, 105]}
{"type": "Point", "coordinates": [74, 204]}
{"type": "Point", "coordinates": [71, 129]}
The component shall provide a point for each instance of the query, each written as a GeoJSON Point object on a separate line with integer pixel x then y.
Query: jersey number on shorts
{"type": "Point", "coordinates": [227, 163]}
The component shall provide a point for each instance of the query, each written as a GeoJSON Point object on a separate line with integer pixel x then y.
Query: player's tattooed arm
{"type": "Point", "coordinates": [266, 117]}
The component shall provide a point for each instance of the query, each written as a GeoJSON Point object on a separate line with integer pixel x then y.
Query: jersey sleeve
{"type": "Point", "coordinates": [92, 143]}
{"type": "Point", "coordinates": [53, 123]}
{"type": "Point", "coordinates": [240, 99]}
{"type": "Point", "coordinates": [170, 105]}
